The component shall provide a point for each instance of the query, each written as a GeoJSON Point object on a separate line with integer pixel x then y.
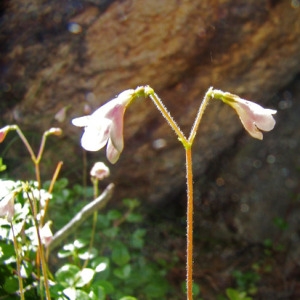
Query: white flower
{"type": "Point", "coordinates": [254, 117]}
{"type": "Point", "coordinates": [105, 126]}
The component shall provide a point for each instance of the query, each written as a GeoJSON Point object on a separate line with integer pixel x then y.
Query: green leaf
{"type": "Point", "coordinates": [134, 218]}
{"type": "Point", "coordinates": [120, 254]}
{"type": "Point", "coordinates": [103, 221]}
{"type": "Point", "coordinates": [122, 272]}
{"type": "Point", "coordinates": [195, 288]}
{"type": "Point", "coordinates": [6, 252]}
{"type": "Point", "coordinates": [111, 232]}
{"type": "Point", "coordinates": [61, 183]}
{"type": "Point", "coordinates": [67, 275]}
{"type": "Point", "coordinates": [56, 291]}
{"type": "Point", "coordinates": [84, 277]}
{"type": "Point", "coordinates": [128, 298]}
{"type": "Point", "coordinates": [85, 254]}
{"type": "Point", "coordinates": [131, 203]}
{"type": "Point", "coordinates": [137, 238]}
{"type": "Point", "coordinates": [114, 214]}
{"type": "Point", "coordinates": [80, 294]}
{"type": "Point", "coordinates": [106, 285]}
{"type": "Point", "coordinates": [281, 223]}
{"type": "Point", "coordinates": [233, 294]}
{"type": "Point", "coordinates": [98, 293]}
{"type": "Point", "coordinates": [2, 166]}
{"type": "Point", "coordinates": [70, 292]}
{"type": "Point", "coordinates": [100, 264]}
{"type": "Point", "coordinates": [79, 243]}
{"type": "Point", "coordinates": [11, 285]}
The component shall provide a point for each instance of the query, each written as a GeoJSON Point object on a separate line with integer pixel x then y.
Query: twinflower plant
{"type": "Point", "coordinates": [105, 128]}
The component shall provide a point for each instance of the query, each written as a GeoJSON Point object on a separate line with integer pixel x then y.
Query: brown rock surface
{"type": "Point", "coordinates": [180, 48]}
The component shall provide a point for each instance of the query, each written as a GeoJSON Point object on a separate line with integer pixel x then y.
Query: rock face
{"type": "Point", "coordinates": [79, 54]}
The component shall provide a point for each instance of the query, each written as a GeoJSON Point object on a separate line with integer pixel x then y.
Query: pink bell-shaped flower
{"type": "Point", "coordinates": [105, 126]}
{"type": "Point", "coordinates": [254, 117]}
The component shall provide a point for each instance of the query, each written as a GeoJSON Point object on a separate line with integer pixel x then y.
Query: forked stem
{"type": "Point", "coordinates": [187, 144]}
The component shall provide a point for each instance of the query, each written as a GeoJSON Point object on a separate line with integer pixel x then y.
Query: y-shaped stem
{"type": "Point", "coordinates": [187, 144]}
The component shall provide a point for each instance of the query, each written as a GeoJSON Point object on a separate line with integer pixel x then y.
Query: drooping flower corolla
{"type": "Point", "coordinates": [105, 126]}
{"type": "Point", "coordinates": [99, 170]}
{"type": "Point", "coordinates": [254, 117]}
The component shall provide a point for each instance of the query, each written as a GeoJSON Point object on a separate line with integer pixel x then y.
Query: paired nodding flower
{"type": "Point", "coordinates": [105, 126]}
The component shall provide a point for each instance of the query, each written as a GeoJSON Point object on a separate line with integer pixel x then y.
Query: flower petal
{"type": "Point", "coordinates": [254, 117]}
{"type": "Point", "coordinates": [116, 130]}
{"type": "Point", "coordinates": [125, 97]}
{"type": "Point", "coordinates": [81, 121]}
{"type": "Point", "coordinates": [95, 138]}
{"type": "Point", "coordinates": [112, 153]}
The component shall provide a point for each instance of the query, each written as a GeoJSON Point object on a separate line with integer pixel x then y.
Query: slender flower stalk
{"type": "Point", "coordinates": [18, 262]}
{"type": "Point", "coordinates": [200, 113]}
{"type": "Point", "coordinates": [41, 253]}
{"type": "Point", "coordinates": [98, 172]}
{"type": "Point", "coordinates": [53, 180]}
{"type": "Point", "coordinates": [190, 217]}
{"type": "Point", "coordinates": [161, 107]}
{"type": "Point", "coordinates": [35, 158]}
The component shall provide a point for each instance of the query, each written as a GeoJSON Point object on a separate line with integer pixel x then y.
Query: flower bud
{"type": "Point", "coordinates": [3, 133]}
{"type": "Point", "coordinates": [100, 171]}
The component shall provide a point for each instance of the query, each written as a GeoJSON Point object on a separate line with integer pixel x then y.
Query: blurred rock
{"type": "Point", "coordinates": [79, 54]}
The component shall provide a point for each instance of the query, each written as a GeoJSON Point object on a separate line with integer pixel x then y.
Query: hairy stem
{"type": "Point", "coordinates": [189, 229]}
{"type": "Point", "coordinates": [200, 113]}
{"type": "Point", "coordinates": [167, 116]}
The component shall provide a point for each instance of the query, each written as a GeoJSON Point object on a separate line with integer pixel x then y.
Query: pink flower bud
{"type": "Point", "coordinates": [3, 133]}
{"type": "Point", "coordinates": [55, 131]}
{"type": "Point", "coordinates": [100, 171]}
{"type": "Point", "coordinates": [60, 116]}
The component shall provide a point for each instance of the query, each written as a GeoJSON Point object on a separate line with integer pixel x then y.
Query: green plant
{"type": "Point", "coordinates": [116, 268]}
{"type": "Point", "coordinates": [105, 128]}
{"type": "Point", "coordinates": [233, 294]}
{"type": "Point", "coordinates": [112, 266]}
{"type": "Point", "coordinates": [246, 281]}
